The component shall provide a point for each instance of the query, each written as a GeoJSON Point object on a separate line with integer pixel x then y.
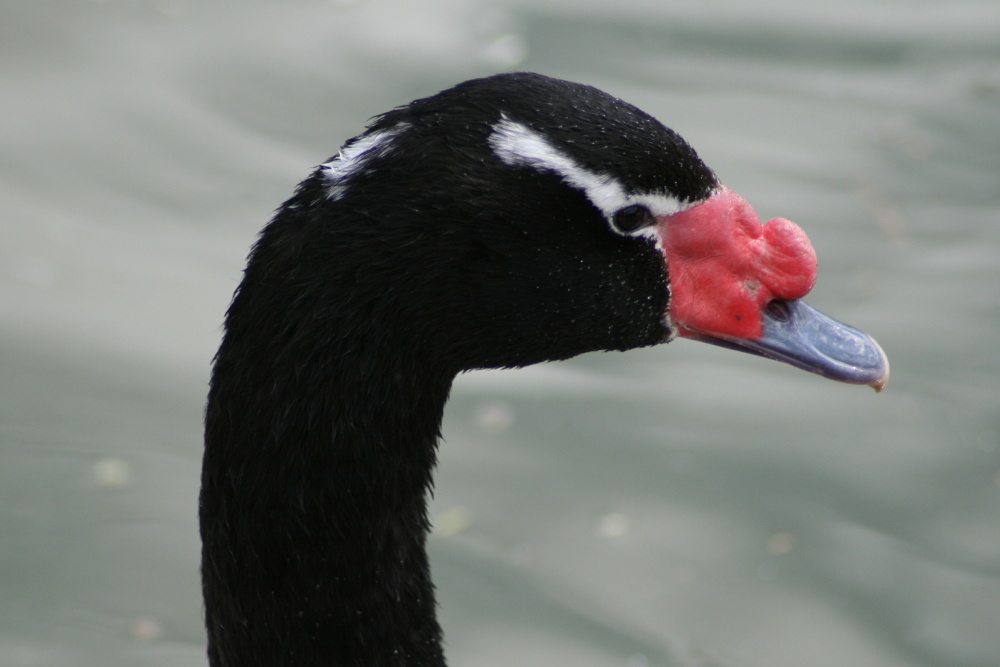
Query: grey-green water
{"type": "Point", "coordinates": [673, 506]}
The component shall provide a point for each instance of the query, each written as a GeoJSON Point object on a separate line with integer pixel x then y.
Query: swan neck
{"type": "Point", "coordinates": [313, 508]}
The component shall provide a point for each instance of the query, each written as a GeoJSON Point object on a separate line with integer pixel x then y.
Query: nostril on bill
{"type": "Point", "coordinates": [778, 309]}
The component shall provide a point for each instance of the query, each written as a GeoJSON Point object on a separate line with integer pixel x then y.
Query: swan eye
{"type": "Point", "coordinates": [633, 218]}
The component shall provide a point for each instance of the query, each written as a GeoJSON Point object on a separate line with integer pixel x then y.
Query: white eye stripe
{"type": "Point", "coordinates": [517, 144]}
{"type": "Point", "coordinates": [353, 157]}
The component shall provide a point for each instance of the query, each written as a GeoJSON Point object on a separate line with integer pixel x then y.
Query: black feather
{"type": "Point", "coordinates": [352, 319]}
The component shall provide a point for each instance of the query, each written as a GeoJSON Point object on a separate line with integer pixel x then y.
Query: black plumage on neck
{"type": "Point", "coordinates": [320, 434]}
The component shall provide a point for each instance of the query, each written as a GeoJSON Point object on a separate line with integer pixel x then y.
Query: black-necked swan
{"type": "Point", "coordinates": [506, 221]}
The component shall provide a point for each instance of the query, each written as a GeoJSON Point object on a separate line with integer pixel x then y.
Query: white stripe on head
{"type": "Point", "coordinates": [517, 144]}
{"type": "Point", "coordinates": [353, 157]}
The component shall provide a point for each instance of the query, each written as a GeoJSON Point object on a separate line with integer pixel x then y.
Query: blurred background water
{"type": "Point", "coordinates": [673, 506]}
